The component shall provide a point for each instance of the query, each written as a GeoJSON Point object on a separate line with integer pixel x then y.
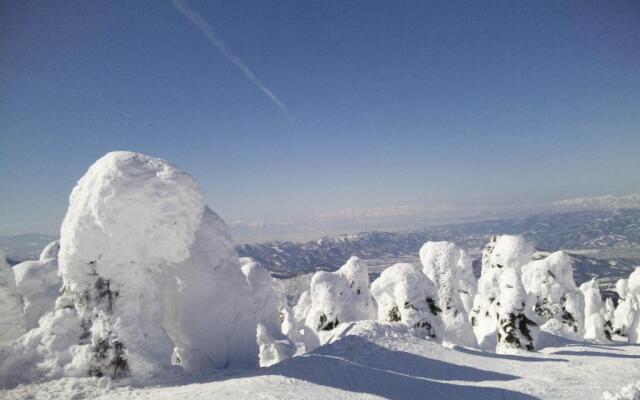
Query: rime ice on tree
{"type": "Point", "coordinates": [450, 269]}
{"type": "Point", "coordinates": [146, 269]}
{"type": "Point", "coordinates": [595, 325]}
{"type": "Point", "coordinates": [340, 296]}
{"type": "Point", "coordinates": [274, 346]}
{"type": "Point", "coordinates": [406, 295]}
{"type": "Point", "coordinates": [558, 302]}
{"type": "Point", "coordinates": [505, 252]}
{"type": "Point", "coordinates": [624, 313]}
{"type": "Point", "coordinates": [632, 305]}
{"type": "Point", "coordinates": [516, 328]}
{"type": "Point", "coordinates": [209, 312]}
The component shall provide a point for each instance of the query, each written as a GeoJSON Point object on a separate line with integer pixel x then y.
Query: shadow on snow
{"type": "Point", "coordinates": [357, 365]}
{"type": "Point", "coordinates": [513, 357]}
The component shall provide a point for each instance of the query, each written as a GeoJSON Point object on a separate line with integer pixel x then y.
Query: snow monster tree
{"type": "Point", "coordinates": [406, 295]}
{"type": "Point", "coordinates": [516, 328]}
{"type": "Point", "coordinates": [489, 313]}
{"type": "Point", "coordinates": [559, 304]}
{"type": "Point", "coordinates": [450, 269]}
{"type": "Point", "coordinates": [339, 296]}
{"type": "Point", "coordinates": [595, 323]}
{"type": "Point", "coordinates": [148, 272]}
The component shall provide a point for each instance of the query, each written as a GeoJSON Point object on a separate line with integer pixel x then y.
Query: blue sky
{"type": "Point", "coordinates": [394, 102]}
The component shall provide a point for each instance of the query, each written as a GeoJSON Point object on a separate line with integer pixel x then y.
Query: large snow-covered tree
{"type": "Point", "coordinates": [148, 273]}
{"type": "Point", "coordinates": [450, 269]}
{"type": "Point", "coordinates": [500, 254]}
{"type": "Point", "coordinates": [404, 294]}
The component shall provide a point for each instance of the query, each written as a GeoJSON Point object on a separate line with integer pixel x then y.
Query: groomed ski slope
{"type": "Point", "coordinates": [370, 360]}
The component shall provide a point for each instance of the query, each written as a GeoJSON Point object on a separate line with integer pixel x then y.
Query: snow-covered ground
{"type": "Point", "coordinates": [374, 360]}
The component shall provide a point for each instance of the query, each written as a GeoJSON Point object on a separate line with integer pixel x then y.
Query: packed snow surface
{"type": "Point", "coordinates": [372, 360]}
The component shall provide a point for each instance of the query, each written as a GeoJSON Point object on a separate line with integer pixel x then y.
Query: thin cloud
{"type": "Point", "coordinates": [198, 20]}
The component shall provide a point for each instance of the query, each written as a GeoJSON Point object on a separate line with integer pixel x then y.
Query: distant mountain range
{"type": "Point", "coordinates": [604, 242]}
{"type": "Point", "coordinates": [26, 246]}
{"type": "Point", "coordinates": [408, 217]}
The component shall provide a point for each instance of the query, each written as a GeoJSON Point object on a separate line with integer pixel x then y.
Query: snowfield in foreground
{"type": "Point", "coordinates": [373, 360]}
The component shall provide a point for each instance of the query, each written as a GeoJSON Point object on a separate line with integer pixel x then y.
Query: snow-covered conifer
{"type": "Point", "coordinates": [450, 269]}
{"type": "Point", "coordinates": [293, 324]}
{"type": "Point", "coordinates": [558, 302]}
{"type": "Point", "coordinates": [631, 306]}
{"type": "Point", "coordinates": [595, 325]}
{"type": "Point", "coordinates": [274, 346]}
{"type": "Point", "coordinates": [340, 296]}
{"type": "Point", "coordinates": [516, 328]}
{"type": "Point", "coordinates": [404, 294]}
{"type": "Point", "coordinates": [146, 270]}
{"type": "Point", "coordinates": [501, 253]}
{"type": "Point", "coordinates": [625, 311]}
{"type": "Point", "coordinates": [609, 315]}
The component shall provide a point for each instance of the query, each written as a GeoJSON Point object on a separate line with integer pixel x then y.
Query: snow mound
{"type": "Point", "coordinates": [406, 295]}
{"type": "Point", "coordinates": [12, 322]}
{"type": "Point", "coordinates": [450, 269]}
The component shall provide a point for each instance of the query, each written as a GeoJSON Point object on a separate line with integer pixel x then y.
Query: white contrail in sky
{"type": "Point", "coordinates": [195, 17]}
